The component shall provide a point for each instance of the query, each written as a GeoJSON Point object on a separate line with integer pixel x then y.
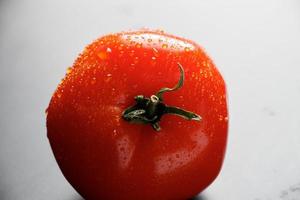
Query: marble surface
{"type": "Point", "coordinates": [255, 44]}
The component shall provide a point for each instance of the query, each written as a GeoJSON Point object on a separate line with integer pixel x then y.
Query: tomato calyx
{"type": "Point", "coordinates": [150, 110]}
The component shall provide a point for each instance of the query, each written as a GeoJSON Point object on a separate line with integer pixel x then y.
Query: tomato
{"type": "Point", "coordinates": [111, 122]}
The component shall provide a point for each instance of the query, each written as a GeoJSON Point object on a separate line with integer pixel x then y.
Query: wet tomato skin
{"type": "Point", "coordinates": [104, 156]}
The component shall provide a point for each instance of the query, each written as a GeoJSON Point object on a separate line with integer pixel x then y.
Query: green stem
{"type": "Point", "coordinates": [176, 87]}
{"type": "Point", "coordinates": [150, 110]}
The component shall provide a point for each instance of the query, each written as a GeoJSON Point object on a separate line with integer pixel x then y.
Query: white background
{"type": "Point", "coordinates": [255, 44]}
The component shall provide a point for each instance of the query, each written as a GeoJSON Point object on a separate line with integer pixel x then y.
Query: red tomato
{"type": "Point", "coordinates": [103, 155]}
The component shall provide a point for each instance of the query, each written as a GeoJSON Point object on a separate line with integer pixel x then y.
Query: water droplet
{"type": "Point", "coordinates": [108, 50]}
{"type": "Point", "coordinates": [220, 118]}
{"type": "Point", "coordinates": [131, 54]}
{"type": "Point", "coordinates": [149, 40]}
{"type": "Point", "coordinates": [109, 75]}
{"type": "Point", "coordinates": [102, 55]}
{"type": "Point", "coordinates": [164, 46]}
{"type": "Point", "coordinates": [187, 49]}
{"type": "Point", "coordinates": [108, 79]}
{"type": "Point", "coordinates": [59, 95]}
{"type": "Point", "coordinates": [93, 81]}
{"type": "Point", "coordinates": [138, 45]}
{"type": "Point", "coordinates": [69, 69]}
{"type": "Point", "coordinates": [153, 58]}
{"type": "Point", "coordinates": [115, 133]}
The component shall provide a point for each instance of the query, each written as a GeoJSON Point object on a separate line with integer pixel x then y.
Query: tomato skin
{"type": "Point", "coordinates": [104, 156]}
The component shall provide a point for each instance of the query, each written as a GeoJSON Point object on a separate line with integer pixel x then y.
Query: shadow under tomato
{"type": "Point", "coordinates": [199, 197]}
